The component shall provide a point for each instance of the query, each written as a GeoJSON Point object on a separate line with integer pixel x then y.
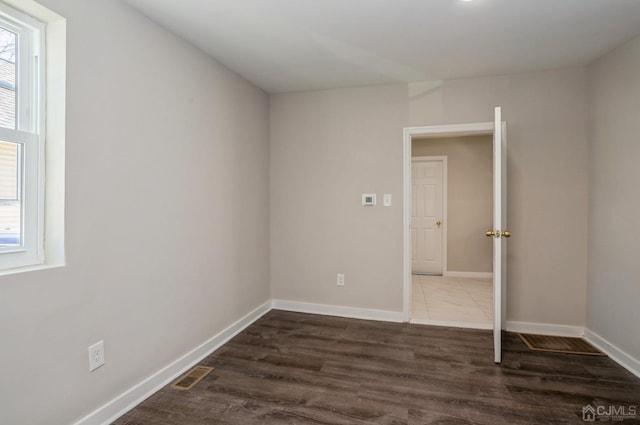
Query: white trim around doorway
{"type": "Point", "coordinates": [408, 134]}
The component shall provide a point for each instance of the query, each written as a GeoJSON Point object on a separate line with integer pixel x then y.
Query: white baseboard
{"type": "Point", "coordinates": [545, 329]}
{"type": "Point", "coordinates": [470, 275]}
{"type": "Point", "coordinates": [117, 407]}
{"type": "Point", "coordinates": [616, 354]}
{"type": "Point", "coordinates": [126, 401]}
{"type": "Point", "coordinates": [340, 311]}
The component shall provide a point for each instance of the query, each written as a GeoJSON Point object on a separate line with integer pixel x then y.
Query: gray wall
{"type": "Point", "coordinates": [328, 147]}
{"type": "Point", "coordinates": [167, 218]}
{"type": "Point", "coordinates": [469, 200]}
{"type": "Point", "coordinates": [546, 114]}
{"type": "Point", "coordinates": [614, 200]}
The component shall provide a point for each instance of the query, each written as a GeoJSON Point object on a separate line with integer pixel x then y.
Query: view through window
{"type": "Point", "coordinates": [10, 152]}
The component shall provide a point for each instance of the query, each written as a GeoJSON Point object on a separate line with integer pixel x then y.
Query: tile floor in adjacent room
{"type": "Point", "coordinates": [452, 301]}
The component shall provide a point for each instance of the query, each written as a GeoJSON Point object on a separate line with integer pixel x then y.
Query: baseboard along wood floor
{"type": "Point", "coordinates": [297, 368]}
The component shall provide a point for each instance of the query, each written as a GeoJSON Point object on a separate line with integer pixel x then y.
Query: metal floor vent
{"type": "Point", "coordinates": [195, 375]}
{"type": "Point", "coordinates": [560, 344]}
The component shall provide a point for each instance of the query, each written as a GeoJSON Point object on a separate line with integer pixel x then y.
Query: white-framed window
{"type": "Point", "coordinates": [22, 139]}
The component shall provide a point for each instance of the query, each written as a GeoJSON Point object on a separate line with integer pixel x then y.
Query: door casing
{"type": "Point", "coordinates": [471, 129]}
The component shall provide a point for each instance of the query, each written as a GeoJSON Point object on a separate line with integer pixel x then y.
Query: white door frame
{"type": "Point", "coordinates": [472, 129]}
{"type": "Point", "coordinates": [443, 159]}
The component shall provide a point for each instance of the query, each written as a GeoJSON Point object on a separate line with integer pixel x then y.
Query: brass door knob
{"type": "Point", "coordinates": [490, 233]}
{"type": "Point", "coordinates": [438, 223]}
{"type": "Point", "coordinates": [506, 234]}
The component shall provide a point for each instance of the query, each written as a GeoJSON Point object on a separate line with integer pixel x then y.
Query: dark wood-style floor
{"type": "Point", "coordinates": [293, 368]}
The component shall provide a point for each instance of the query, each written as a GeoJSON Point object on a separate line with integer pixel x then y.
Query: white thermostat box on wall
{"type": "Point", "coordinates": [368, 199]}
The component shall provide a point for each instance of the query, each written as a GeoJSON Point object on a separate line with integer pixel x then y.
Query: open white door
{"type": "Point", "coordinates": [499, 232]}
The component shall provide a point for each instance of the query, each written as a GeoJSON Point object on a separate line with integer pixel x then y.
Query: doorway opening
{"type": "Point", "coordinates": [498, 232]}
{"type": "Point", "coordinates": [438, 275]}
{"type": "Point", "coordinates": [451, 208]}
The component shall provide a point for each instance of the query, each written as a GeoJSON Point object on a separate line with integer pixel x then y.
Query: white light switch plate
{"type": "Point", "coordinates": [386, 200]}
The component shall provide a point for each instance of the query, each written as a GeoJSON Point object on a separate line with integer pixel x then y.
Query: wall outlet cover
{"type": "Point", "coordinates": [96, 355]}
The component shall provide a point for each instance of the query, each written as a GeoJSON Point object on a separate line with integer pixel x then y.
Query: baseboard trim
{"type": "Point", "coordinates": [470, 275]}
{"type": "Point", "coordinates": [340, 311]}
{"type": "Point", "coordinates": [616, 354]}
{"type": "Point", "coordinates": [121, 404]}
{"type": "Point", "coordinates": [545, 329]}
{"type": "Point", "coordinates": [126, 401]}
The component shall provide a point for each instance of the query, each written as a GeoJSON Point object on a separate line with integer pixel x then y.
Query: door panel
{"type": "Point", "coordinates": [426, 217]}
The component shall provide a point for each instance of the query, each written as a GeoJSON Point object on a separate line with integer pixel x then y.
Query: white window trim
{"type": "Point", "coordinates": [51, 181]}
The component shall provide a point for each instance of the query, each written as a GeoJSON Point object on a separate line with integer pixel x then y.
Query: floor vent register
{"type": "Point", "coordinates": [191, 378]}
{"type": "Point", "coordinates": [560, 344]}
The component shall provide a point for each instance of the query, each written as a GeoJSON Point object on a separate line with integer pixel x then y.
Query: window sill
{"type": "Point", "coordinates": [31, 268]}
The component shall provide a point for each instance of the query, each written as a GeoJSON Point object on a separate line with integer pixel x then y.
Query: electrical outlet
{"type": "Point", "coordinates": [96, 355]}
{"type": "Point", "coordinates": [340, 279]}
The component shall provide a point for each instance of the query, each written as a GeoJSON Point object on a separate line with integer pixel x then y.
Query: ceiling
{"type": "Point", "coordinates": [295, 45]}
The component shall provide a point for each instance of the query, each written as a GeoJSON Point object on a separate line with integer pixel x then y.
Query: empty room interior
{"type": "Point", "coordinates": [344, 212]}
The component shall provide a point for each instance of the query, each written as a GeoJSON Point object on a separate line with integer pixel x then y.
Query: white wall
{"type": "Point", "coordinates": [546, 116]}
{"type": "Point", "coordinates": [167, 218]}
{"type": "Point", "coordinates": [328, 147]}
{"type": "Point", "coordinates": [614, 201]}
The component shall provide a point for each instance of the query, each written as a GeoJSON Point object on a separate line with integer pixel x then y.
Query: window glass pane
{"type": "Point", "coordinates": [7, 78]}
{"type": "Point", "coordinates": [10, 190]}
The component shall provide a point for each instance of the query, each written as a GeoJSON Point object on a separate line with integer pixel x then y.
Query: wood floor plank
{"type": "Point", "coordinates": [295, 368]}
